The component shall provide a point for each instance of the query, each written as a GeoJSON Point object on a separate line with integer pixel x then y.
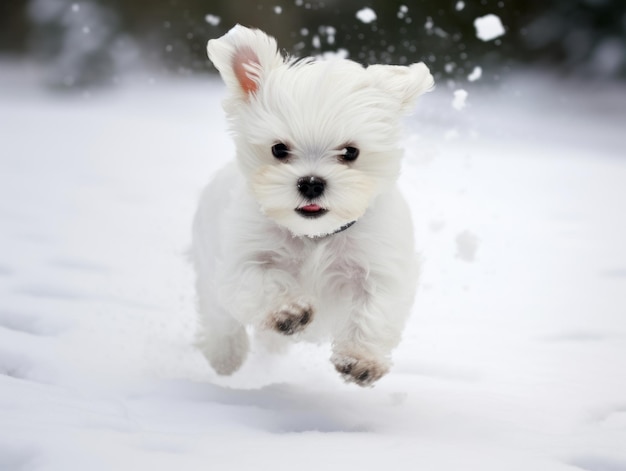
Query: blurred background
{"type": "Point", "coordinates": [95, 42]}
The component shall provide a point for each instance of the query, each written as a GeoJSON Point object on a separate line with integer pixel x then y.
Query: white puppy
{"type": "Point", "coordinates": [307, 236]}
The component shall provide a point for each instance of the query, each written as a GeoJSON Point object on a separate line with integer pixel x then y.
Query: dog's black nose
{"type": "Point", "coordinates": [311, 187]}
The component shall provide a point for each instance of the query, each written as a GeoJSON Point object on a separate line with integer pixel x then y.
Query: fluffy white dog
{"type": "Point", "coordinates": [307, 236]}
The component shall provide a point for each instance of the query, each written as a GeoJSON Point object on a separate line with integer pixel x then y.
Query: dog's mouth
{"type": "Point", "coordinates": [311, 211]}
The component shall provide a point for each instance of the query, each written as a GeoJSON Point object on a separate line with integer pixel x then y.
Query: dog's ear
{"type": "Point", "coordinates": [403, 83]}
{"type": "Point", "coordinates": [243, 57]}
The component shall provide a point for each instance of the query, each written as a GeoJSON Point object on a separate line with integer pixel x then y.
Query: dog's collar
{"type": "Point", "coordinates": [341, 229]}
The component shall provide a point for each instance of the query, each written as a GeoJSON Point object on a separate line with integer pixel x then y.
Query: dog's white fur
{"type": "Point", "coordinates": [258, 261]}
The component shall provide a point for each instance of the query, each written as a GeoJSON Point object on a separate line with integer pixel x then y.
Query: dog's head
{"type": "Point", "coordinates": [316, 140]}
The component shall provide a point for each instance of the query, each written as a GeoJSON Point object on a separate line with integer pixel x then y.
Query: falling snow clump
{"type": "Point", "coordinates": [488, 27]}
{"type": "Point", "coordinates": [366, 15]}
{"type": "Point", "coordinates": [213, 20]}
{"type": "Point", "coordinates": [458, 102]}
{"type": "Point", "coordinates": [475, 74]}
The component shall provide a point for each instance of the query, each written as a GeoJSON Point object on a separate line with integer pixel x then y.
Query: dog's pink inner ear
{"type": "Point", "coordinates": [246, 57]}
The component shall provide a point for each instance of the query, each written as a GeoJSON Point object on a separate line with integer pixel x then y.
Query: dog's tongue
{"type": "Point", "coordinates": [311, 208]}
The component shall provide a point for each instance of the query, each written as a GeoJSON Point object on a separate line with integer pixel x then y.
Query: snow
{"type": "Point", "coordinates": [475, 74]}
{"type": "Point", "coordinates": [514, 361]}
{"type": "Point", "coordinates": [213, 20]}
{"type": "Point", "coordinates": [488, 27]}
{"type": "Point", "coordinates": [366, 15]}
{"type": "Point", "coordinates": [458, 102]}
{"type": "Point", "coordinates": [430, 28]}
{"type": "Point", "coordinates": [466, 246]}
{"type": "Point", "coordinates": [330, 55]}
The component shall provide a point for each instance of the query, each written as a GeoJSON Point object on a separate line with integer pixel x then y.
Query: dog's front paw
{"type": "Point", "coordinates": [361, 370]}
{"type": "Point", "coordinates": [291, 318]}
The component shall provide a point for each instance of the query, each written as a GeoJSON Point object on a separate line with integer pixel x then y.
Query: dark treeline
{"type": "Point", "coordinates": [87, 41]}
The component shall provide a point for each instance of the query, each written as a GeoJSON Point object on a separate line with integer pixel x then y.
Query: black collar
{"type": "Point", "coordinates": [341, 229]}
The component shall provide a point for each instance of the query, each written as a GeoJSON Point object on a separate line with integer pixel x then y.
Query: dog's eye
{"type": "Point", "coordinates": [349, 153]}
{"type": "Point", "coordinates": [280, 151]}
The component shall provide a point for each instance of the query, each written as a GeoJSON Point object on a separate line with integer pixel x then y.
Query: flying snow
{"type": "Point", "coordinates": [366, 15]}
{"type": "Point", "coordinates": [213, 20]}
{"type": "Point", "coordinates": [458, 102]}
{"type": "Point", "coordinates": [475, 74]}
{"type": "Point", "coordinates": [432, 29]}
{"type": "Point", "coordinates": [330, 34]}
{"type": "Point", "coordinates": [330, 55]}
{"type": "Point", "coordinates": [488, 27]}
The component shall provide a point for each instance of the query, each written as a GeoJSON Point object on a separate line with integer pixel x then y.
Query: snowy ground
{"type": "Point", "coordinates": [514, 359]}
